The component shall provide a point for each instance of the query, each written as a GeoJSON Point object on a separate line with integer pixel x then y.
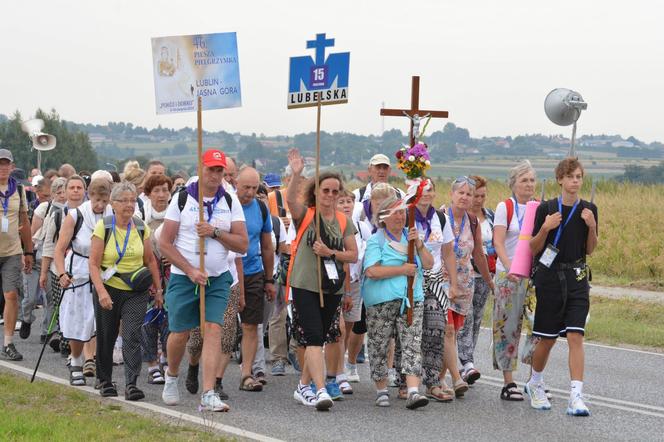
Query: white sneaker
{"type": "Point", "coordinates": [323, 400]}
{"type": "Point", "coordinates": [210, 401]}
{"type": "Point", "coordinates": [351, 374]}
{"type": "Point", "coordinates": [538, 399]}
{"type": "Point", "coordinates": [577, 407]}
{"type": "Point", "coordinates": [171, 394]}
{"type": "Point", "coordinates": [392, 378]}
{"type": "Point", "coordinates": [549, 396]}
{"type": "Point", "coordinates": [305, 396]}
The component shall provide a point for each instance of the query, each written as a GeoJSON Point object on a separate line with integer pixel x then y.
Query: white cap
{"type": "Point", "coordinates": [36, 179]}
{"type": "Point", "coordinates": [379, 158]}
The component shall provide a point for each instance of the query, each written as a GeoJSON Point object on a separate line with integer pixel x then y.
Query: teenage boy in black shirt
{"type": "Point", "coordinates": [565, 232]}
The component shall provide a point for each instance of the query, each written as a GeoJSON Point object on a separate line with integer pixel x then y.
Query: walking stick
{"type": "Point", "coordinates": [56, 308]}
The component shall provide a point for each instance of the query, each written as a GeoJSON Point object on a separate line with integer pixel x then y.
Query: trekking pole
{"type": "Point", "coordinates": [56, 308]}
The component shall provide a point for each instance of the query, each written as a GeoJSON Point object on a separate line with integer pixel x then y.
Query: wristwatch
{"type": "Point", "coordinates": [216, 233]}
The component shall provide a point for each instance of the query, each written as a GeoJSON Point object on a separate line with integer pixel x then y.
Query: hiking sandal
{"type": "Point", "coordinates": [108, 389]}
{"type": "Point", "coordinates": [253, 385]}
{"type": "Point", "coordinates": [89, 368]}
{"type": "Point", "coordinates": [76, 377]}
{"type": "Point", "coordinates": [438, 394]}
{"type": "Point", "coordinates": [133, 393]}
{"type": "Point", "coordinates": [155, 376]}
{"type": "Point", "coordinates": [510, 392]}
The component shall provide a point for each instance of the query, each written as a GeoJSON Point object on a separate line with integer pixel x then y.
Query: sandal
{"type": "Point", "coordinates": [76, 377]}
{"type": "Point", "coordinates": [155, 376]}
{"type": "Point", "coordinates": [133, 393]}
{"type": "Point", "coordinates": [108, 389]}
{"type": "Point", "coordinates": [89, 368]}
{"type": "Point", "coordinates": [510, 392]}
{"type": "Point", "coordinates": [439, 394]}
{"type": "Point", "coordinates": [460, 388]}
{"type": "Point", "coordinates": [252, 385]}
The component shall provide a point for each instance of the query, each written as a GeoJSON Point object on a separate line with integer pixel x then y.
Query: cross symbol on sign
{"type": "Point", "coordinates": [320, 44]}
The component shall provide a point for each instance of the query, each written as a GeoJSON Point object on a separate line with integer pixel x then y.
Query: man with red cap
{"type": "Point", "coordinates": [224, 230]}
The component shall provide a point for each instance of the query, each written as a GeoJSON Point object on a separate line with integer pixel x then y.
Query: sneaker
{"type": "Point", "coordinates": [471, 376]}
{"type": "Point", "coordinates": [383, 399]}
{"type": "Point", "coordinates": [537, 395]}
{"type": "Point", "coordinates": [278, 368]}
{"type": "Point", "coordinates": [219, 389]}
{"type": "Point", "coordinates": [549, 396]}
{"type": "Point", "coordinates": [191, 383]}
{"type": "Point", "coordinates": [361, 358]}
{"type": "Point", "coordinates": [416, 400]}
{"type": "Point", "coordinates": [24, 331]}
{"type": "Point", "coordinates": [18, 325]}
{"type": "Point", "coordinates": [352, 375]}
{"type": "Point", "coordinates": [210, 401]}
{"type": "Point", "coordinates": [117, 356]}
{"type": "Point", "coordinates": [10, 353]}
{"type": "Point", "coordinates": [171, 394]}
{"type": "Point", "coordinates": [323, 400]}
{"type": "Point", "coordinates": [304, 395]}
{"type": "Point", "coordinates": [392, 378]}
{"type": "Point", "coordinates": [333, 390]}
{"type": "Point", "coordinates": [577, 406]}
{"type": "Point", "coordinates": [345, 387]}
{"type": "Point", "coordinates": [292, 359]}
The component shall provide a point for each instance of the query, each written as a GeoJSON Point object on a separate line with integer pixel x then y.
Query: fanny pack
{"type": "Point", "coordinates": [139, 280]}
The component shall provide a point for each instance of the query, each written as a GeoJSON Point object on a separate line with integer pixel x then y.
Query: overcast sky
{"type": "Point", "coordinates": [489, 63]}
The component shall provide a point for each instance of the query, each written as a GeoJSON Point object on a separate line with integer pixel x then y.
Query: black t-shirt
{"type": "Point", "coordinates": [572, 243]}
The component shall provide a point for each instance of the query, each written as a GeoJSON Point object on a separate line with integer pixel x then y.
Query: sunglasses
{"type": "Point", "coordinates": [465, 179]}
{"type": "Point", "coordinates": [334, 192]}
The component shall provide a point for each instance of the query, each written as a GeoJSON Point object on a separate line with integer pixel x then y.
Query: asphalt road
{"type": "Point", "coordinates": [624, 388]}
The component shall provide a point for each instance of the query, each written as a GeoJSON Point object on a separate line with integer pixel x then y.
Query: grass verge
{"type": "Point", "coordinates": [45, 411]}
{"type": "Point", "coordinates": [618, 322]}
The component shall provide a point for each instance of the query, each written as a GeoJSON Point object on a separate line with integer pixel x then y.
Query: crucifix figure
{"type": "Point", "coordinates": [413, 115]}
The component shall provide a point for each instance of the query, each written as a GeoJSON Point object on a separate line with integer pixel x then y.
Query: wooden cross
{"type": "Point", "coordinates": [413, 113]}
{"type": "Point", "coordinates": [414, 109]}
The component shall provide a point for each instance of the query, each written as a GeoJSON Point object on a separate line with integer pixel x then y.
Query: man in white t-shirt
{"type": "Point", "coordinates": [223, 229]}
{"type": "Point", "coordinates": [379, 172]}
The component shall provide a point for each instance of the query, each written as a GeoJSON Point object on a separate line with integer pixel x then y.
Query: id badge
{"type": "Point", "coordinates": [108, 273]}
{"type": "Point", "coordinates": [331, 269]}
{"type": "Point", "coordinates": [548, 256]}
{"type": "Point", "coordinates": [5, 224]}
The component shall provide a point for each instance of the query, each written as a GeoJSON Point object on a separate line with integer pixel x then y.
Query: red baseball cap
{"type": "Point", "coordinates": [213, 158]}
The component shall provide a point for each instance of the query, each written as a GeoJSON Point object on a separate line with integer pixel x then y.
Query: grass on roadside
{"type": "Point", "coordinates": [45, 411]}
{"type": "Point", "coordinates": [618, 322]}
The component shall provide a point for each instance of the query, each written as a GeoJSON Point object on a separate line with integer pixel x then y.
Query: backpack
{"type": "Point", "coordinates": [276, 228]}
{"type": "Point", "coordinates": [280, 203]}
{"type": "Point", "coordinates": [304, 225]}
{"type": "Point", "coordinates": [57, 219]}
{"type": "Point", "coordinates": [141, 207]}
{"type": "Point", "coordinates": [108, 227]}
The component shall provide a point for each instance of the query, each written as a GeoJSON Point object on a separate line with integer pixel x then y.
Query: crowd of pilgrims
{"type": "Point", "coordinates": [114, 260]}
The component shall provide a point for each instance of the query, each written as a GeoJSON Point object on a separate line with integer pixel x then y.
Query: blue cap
{"type": "Point", "coordinates": [272, 180]}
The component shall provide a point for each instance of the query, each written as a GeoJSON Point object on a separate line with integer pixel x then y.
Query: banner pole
{"type": "Point", "coordinates": [201, 240]}
{"type": "Point", "coordinates": [318, 217]}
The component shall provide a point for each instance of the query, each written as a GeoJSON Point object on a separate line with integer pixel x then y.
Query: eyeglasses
{"type": "Point", "coordinates": [465, 179]}
{"type": "Point", "coordinates": [129, 201]}
{"type": "Point", "coordinates": [334, 192]}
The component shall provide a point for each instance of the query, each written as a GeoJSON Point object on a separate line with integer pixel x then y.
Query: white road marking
{"type": "Point", "coordinates": [206, 423]}
{"type": "Point", "coordinates": [635, 407]}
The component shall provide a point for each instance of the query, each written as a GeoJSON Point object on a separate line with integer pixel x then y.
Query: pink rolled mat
{"type": "Point", "coordinates": [523, 257]}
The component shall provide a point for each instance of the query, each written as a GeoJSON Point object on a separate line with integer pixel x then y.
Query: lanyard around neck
{"type": "Point", "coordinates": [122, 252]}
{"type": "Point", "coordinates": [569, 217]}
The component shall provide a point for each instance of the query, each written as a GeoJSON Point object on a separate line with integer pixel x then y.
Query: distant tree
{"type": "Point", "coordinates": [180, 149]}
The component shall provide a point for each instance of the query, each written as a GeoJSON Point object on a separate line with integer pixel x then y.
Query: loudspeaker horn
{"type": "Point", "coordinates": [40, 140]}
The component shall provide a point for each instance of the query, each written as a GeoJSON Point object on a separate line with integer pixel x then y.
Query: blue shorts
{"type": "Point", "coordinates": [182, 301]}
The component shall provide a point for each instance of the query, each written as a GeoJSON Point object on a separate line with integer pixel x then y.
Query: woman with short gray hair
{"type": "Point", "coordinates": [514, 302]}
{"type": "Point", "coordinates": [386, 273]}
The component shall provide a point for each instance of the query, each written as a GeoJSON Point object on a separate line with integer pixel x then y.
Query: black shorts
{"type": "Point", "coordinates": [314, 325]}
{"type": "Point", "coordinates": [254, 299]}
{"type": "Point", "coordinates": [555, 314]}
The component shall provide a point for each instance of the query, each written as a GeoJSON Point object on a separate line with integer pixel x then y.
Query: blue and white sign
{"type": "Point", "coordinates": [189, 66]}
{"type": "Point", "coordinates": [327, 77]}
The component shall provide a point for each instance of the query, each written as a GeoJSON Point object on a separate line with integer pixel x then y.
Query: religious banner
{"type": "Point", "coordinates": [322, 77]}
{"type": "Point", "coordinates": [191, 66]}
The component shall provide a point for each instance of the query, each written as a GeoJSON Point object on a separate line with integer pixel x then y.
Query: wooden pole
{"type": "Point", "coordinates": [414, 104]}
{"type": "Point", "coordinates": [318, 217]}
{"type": "Point", "coordinates": [201, 240]}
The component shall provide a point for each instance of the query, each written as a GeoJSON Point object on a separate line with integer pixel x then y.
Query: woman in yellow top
{"type": "Point", "coordinates": [122, 269]}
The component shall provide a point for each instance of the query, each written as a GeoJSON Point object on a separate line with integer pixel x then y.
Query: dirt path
{"type": "Point", "coordinates": [626, 292]}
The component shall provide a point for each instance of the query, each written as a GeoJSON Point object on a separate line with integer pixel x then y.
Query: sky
{"type": "Point", "coordinates": [490, 64]}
